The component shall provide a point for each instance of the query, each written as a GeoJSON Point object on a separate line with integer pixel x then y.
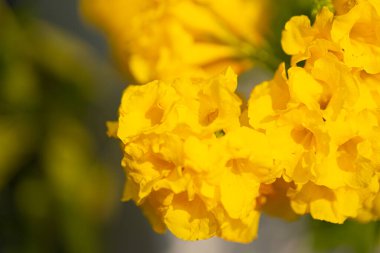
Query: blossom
{"type": "Point", "coordinates": [323, 119]}
{"type": "Point", "coordinates": [162, 40]}
{"type": "Point", "coordinates": [344, 6]}
{"type": "Point", "coordinates": [352, 36]}
{"type": "Point", "coordinates": [190, 164]}
{"type": "Point", "coordinates": [357, 33]}
{"type": "Point", "coordinates": [320, 140]}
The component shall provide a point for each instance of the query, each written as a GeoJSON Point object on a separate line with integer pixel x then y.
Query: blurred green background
{"type": "Point", "coordinates": [60, 175]}
{"type": "Point", "coordinates": [60, 178]}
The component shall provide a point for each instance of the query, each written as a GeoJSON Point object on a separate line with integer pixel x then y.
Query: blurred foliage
{"type": "Point", "coordinates": [349, 237]}
{"type": "Point", "coordinates": [55, 195]}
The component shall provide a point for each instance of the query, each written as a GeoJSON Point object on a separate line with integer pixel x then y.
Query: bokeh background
{"type": "Point", "coordinates": [60, 176]}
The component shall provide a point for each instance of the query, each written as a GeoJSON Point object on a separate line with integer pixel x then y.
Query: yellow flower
{"type": "Point", "coordinates": [181, 106]}
{"type": "Point", "coordinates": [305, 42]}
{"type": "Point", "coordinates": [323, 203]}
{"type": "Point", "coordinates": [323, 120]}
{"type": "Point", "coordinates": [163, 40]}
{"type": "Point", "coordinates": [274, 200]}
{"type": "Point", "coordinates": [344, 6]}
{"type": "Point", "coordinates": [371, 206]}
{"type": "Point", "coordinates": [352, 36]}
{"type": "Point", "coordinates": [190, 164]}
{"type": "Point", "coordinates": [357, 33]}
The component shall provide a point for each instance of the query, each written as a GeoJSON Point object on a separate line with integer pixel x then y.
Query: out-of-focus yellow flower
{"type": "Point", "coordinates": [190, 165]}
{"type": "Point", "coordinates": [323, 120]}
{"type": "Point", "coordinates": [176, 38]}
{"type": "Point", "coordinates": [344, 6]}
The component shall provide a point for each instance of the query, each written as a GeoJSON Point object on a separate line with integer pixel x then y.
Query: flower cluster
{"type": "Point", "coordinates": [190, 163]}
{"type": "Point", "coordinates": [163, 39]}
{"type": "Point", "coordinates": [325, 115]}
{"type": "Point", "coordinates": [306, 144]}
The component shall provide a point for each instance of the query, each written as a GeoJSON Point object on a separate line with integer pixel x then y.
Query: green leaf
{"type": "Point", "coordinates": [351, 236]}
